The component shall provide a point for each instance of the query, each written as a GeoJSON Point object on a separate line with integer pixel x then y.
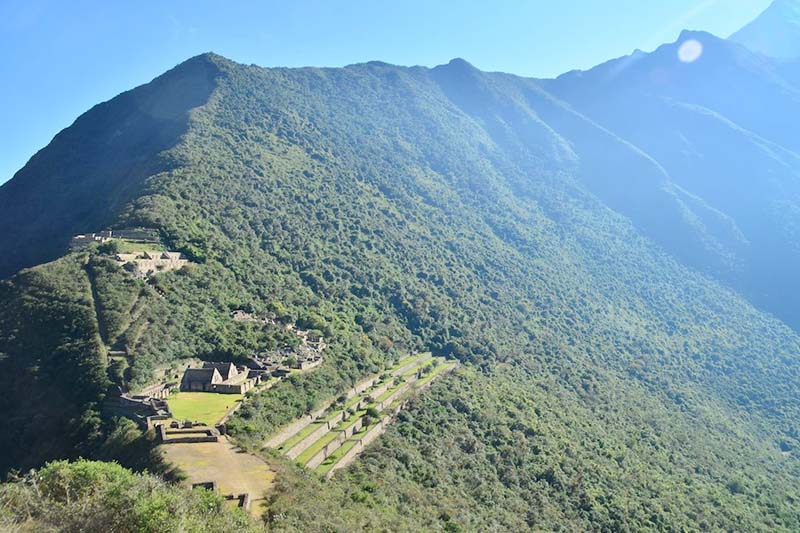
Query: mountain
{"type": "Point", "coordinates": [91, 169]}
{"type": "Point", "coordinates": [722, 130]}
{"type": "Point", "coordinates": [614, 378]}
{"type": "Point", "coordinates": [775, 33]}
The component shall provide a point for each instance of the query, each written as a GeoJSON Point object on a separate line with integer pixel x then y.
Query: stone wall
{"type": "Point", "coordinates": [402, 389]}
{"type": "Point", "coordinates": [139, 409]}
{"type": "Point", "coordinates": [327, 450]}
{"type": "Point", "coordinates": [362, 443]}
{"type": "Point", "coordinates": [238, 388]}
{"type": "Point", "coordinates": [355, 427]}
{"type": "Point", "coordinates": [379, 428]}
{"type": "Point", "coordinates": [312, 437]}
{"type": "Point", "coordinates": [289, 431]}
{"type": "Point", "coordinates": [315, 435]}
{"type": "Point", "coordinates": [307, 365]}
{"type": "Point", "coordinates": [160, 391]}
{"type": "Point", "coordinates": [298, 425]}
{"type": "Point", "coordinates": [185, 436]}
{"type": "Point", "coordinates": [408, 366]}
{"type": "Point", "coordinates": [382, 388]}
{"type": "Point", "coordinates": [363, 385]}
{"type": "Point", "coordinates": [430, 382]}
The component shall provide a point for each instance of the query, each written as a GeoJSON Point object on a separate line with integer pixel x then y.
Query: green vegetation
{"type": "Point", "coordinates": [352, 401]}
{"type": "Point", "coordinates": [312, 450]}
{"type": "Point", "coordinates": [604, 386]}
{"type": "Point", "coordinates": [404, 361]}
{"type": "Point", "coordinates": [432, 373]}
{"type": "Point", "coordinates": [95, 496]}
{"type": "Point", "coordinates": [334, 458]}
{"type": "Point", "coordinates": [127, 246]}
{"type": "Point", "coordinates": [352, 419]}
{"type": "Point", "coordinates": [300, 435]}
{"type": "Point", "coordinates": [206, 407]}
{"type": "Point", "coordinates": [368, 415]}
{"type": "Point", "coordinates": [388, 392]}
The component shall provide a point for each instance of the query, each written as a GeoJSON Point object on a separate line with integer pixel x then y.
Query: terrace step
{"type": "Point", "coordinates": [412, 364]}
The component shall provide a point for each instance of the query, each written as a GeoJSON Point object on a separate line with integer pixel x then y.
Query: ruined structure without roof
{"type": "Point", "coordinates": [146, 264]}
{"type": "Point", "coordinates": [145, 235]}
{"type": "Point", "coordinates": [85, 239]}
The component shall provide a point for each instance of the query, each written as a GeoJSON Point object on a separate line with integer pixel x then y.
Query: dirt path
{"type": "Point", "coordinates": [101, 326]}
{"type": "Point", "coordinates": [234, 470]}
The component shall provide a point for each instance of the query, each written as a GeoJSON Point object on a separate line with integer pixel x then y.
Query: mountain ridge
{"type": "Point", "coordinates": [775, 32]}
{"type": "Point", "coordinates": [152, 125]}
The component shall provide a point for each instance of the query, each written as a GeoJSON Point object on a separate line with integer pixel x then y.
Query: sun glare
{"type": "Point", "coordinates": [690, 51]}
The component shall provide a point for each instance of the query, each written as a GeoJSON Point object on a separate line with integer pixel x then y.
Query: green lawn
{"type": "Point", "coordinates": [124, 246]}
{"type": "Point", "coordinates": [333, 458]}
{"type": "Point", "coordinates": [347, 422]}
{"type": "Point", "coordinates": [387, 393]}
{"type": "Point", "coordinates": [435, 372]}
{"type": "Point", "coordinates": [300, 435]}
{"type": "Point", "coordinates": [405, 361]}
{"type": "Point", "coordinates": [206, 407]}
{"type": "Point", "coordinates": [312, 450]}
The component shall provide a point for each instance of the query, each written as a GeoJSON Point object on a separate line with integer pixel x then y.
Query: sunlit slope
{"type": "Point", "coordinates": [604, 384]}
{"type": "Point", "coordinates": [723, 127]}
{"type": "Point", "coordinates": [776, 32]}
{"type": "Point", "coordinates": [89, 171]}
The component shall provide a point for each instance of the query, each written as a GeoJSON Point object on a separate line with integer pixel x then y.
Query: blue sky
{"type": "Point", "coordinates": [60, 58]}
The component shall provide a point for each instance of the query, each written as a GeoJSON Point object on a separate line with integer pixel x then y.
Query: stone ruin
{"type": "Point", "coordinates": [146, 264]}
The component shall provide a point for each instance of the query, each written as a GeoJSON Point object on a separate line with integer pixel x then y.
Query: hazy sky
{"type": "Point", "coordinates": [61, 57]}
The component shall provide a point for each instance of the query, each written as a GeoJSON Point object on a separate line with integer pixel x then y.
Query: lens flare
{"type": "Point", "coordinates": [690, 51]}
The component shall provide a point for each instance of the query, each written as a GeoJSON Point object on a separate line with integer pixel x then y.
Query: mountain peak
{"type": "Point", "coordinates": [458, 63]}
{"type": "Point", "coordinates": [775, 32]}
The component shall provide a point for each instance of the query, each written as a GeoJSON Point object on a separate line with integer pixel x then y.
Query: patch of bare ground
{"type": "Point", "coordinates": [233, 470]}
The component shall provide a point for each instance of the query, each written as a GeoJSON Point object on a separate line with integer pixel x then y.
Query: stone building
{"type": "Point", "coordinates": [85, 239]}
{"type": "Point", "coordinates": [200, 379]}
{"type": "Point", "coordinates": [145, 264]}
{"type": "Point", "coordinates": [223, 378]}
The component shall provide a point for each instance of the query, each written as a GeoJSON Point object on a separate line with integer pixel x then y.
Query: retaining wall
{"type": "Point", "coordinates": [396, 394]}
{"type": "Point", "coordinates": [430, 382]}
{"type": "Point", "coordinates": [408, 366]}
{"type": "Point", "coordinates": [183, 437]}
{"type": "Point", "coordinates": [363, 385]}
{"type": "Point", "coordinates": [329, 448]}
{"type": "Point", "coordinates": [289, 431]}
{"type": "Point", "coordinates": [363, 442]}
{"type": "Point", "coordinates": [355, 427]}
{"type": "Point", "coordinates": [298, 425]}
{"type": "Point", "coordinates": [381, 427]}
{"type": "Point", "coordinates": [317, 434]}
{"type": "Point", "coordinates": [382, 388]}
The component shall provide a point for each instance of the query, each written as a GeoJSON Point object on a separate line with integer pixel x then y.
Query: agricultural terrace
{"type": "Point", "coordinates": [128, 246]}
{"type": "Point", "coordinates": [335, 437]}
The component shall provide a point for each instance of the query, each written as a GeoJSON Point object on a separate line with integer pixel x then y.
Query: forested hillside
{"type": "Point", "coordinates": [723, 128]}
{"type": "Point", "coordinates": [606, 386]}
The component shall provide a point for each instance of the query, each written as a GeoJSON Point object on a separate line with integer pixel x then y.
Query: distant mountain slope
{"type": "Point", "coordinates": [723, 128]}
{"type": "Point", "coordinates": [606, 385]}
{"type": "Point", "coordinates": [776, 32]}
